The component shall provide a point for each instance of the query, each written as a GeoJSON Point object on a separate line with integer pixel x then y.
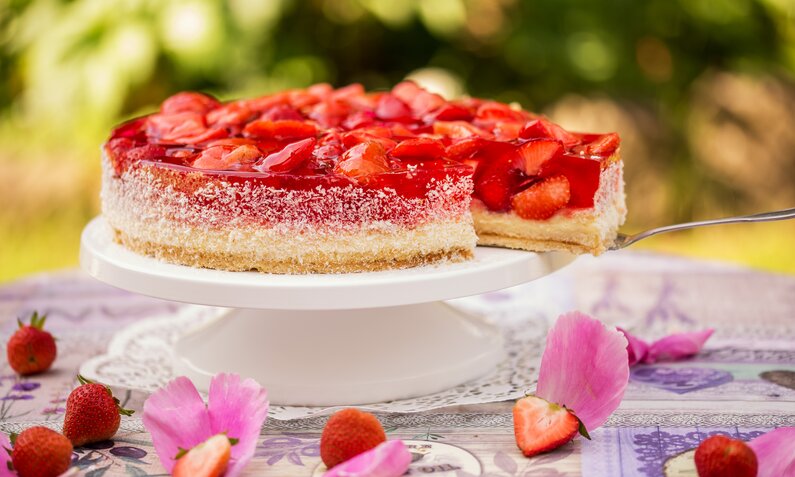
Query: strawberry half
{"type": "Point", "coordinates": [462, 149]}
{"type": "Point", "coordinates": [541, 426]}
{"type": "Point", "coordinates": [362, 161]}
{"type": "Point", "coordinates": [603, 145]}
{"type": "Point", "coordinates": [458, 129]}
{"type": "Point", "coordinates": [227, 157]}
{"type": "Point", "coordinates": [419, 148]}
{"type": "Point", "coordinates": [536, 153]}
{"type": "Point", "coordinates": [186, 127]}
{"type": "Point", "coordinates": [492, 110]}
{"type": "Point", "coordinates": [283, 129]}
{"type": "Point", "coordinates": [208, 459]}
{"type": "Point", "coordinates": [390, 108]}
{"type": "Point", "coordinates": [353, 138]}
{"type": "Point", "coordinates": [231, 114]}
{"type": "Point", "coordinates": [448, 112]}
{"type": "Point", "coordinates": [495, 177]}
{"type": "Point", "coordinates": [543, 128]}
{"type": "Point", "coordinates": [289, 158]}
{"type": "Point", "coordinates": [189, 101]}
{"type": "Point", "coordinates": [543, 199]}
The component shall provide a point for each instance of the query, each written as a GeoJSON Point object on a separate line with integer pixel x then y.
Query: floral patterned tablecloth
{"type": "Point", "coordinates": [742, 384]}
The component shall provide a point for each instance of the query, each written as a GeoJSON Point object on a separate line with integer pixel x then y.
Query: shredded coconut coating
{"type": "Point", "coordinates": [203, 220]}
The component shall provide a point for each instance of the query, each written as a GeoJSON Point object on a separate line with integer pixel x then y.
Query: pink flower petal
{"type": "Point", "coordinates": [637, 348]}
{"type": "Point", "coordinates": [775, 452]}
{"type": "Point", "coordinates": [389, 459]}
{"type": "Point", "coordinates": [677, 346]}
{"type": "Point", "coordinates": [5, 443]}
{"type": "Point", "coordinates": [176, 417]}
{"type": "Point", "coordinates": [585, 367]}
{"type": "Point", "coordinates": [238, 408]}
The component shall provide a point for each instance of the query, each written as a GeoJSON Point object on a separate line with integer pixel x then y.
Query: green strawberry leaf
{"type": "Point", "coordinates": [181, 453]}
{"type": "Point", "coordinates": [233, 441]}
{"type": "Point", "coordinates": [37, 321]}
{"type": "Point", "coordinates": [583, 431]}
{"type": "Point", "coordinates": [13, 438]}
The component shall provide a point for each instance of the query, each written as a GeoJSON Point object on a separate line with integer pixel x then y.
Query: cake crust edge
{"type": "Point", "coordinates": [351, 263]}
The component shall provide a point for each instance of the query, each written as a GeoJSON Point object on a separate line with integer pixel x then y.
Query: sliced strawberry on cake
{"type": "Point", "coordinates": [564, 191]}
{"type": "Point", "coordinates": [324, 180]}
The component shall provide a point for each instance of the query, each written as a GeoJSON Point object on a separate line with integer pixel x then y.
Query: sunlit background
{"type": "Point", "coordinates": [701, 91]}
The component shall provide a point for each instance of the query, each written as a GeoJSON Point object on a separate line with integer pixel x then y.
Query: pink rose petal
{"type": "Point", "coordinates": [775, 452]}
{"type": "Point", "coordinates": [5, 443]}
{"type": "Point", "coordinates": [677, 346]}
{"type": "Point", "coordinates": [637, 348]}
{"type": "Point", "coordinates": [389, 459]}
{"type": "Point", "coordinates": [176, 417]}
{"type": "Point", "coordinates": [585, 367]}
{"type": "Point", "coordinates": [238, 408]}
{"type": "Point", "coordinates": [671, 348]}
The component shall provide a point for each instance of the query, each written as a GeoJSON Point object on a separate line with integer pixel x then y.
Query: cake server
{"type": "Point", "coordinates": [625, 240]}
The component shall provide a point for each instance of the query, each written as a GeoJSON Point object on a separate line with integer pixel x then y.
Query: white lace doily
{"type": "Point", "coordinates": [139, 358]}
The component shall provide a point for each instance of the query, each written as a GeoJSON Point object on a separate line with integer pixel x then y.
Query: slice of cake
{"type": "Point", "coordinates": [323, 181]}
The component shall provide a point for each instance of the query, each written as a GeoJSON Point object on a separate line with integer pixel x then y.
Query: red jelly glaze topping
{"type": "Point", "coordinates": [402, 139]}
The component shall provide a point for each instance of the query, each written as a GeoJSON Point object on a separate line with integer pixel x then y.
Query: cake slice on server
{"type": "Point", "coordinates": [324, 180]}
{"type": "Point", "coordinates": [553, 191]}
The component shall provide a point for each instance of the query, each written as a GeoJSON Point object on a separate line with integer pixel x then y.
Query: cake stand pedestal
{"type": "Point", "coordinates": [326, 340]}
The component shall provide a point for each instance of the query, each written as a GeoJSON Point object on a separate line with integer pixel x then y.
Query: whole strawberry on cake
{"type": "Point", "coordinates": [324, 180]}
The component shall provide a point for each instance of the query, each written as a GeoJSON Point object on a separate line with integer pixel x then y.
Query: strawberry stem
{"type": "Point", "coordinates": [36, 321]}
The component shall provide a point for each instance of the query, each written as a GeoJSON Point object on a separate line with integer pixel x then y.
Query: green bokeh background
{"type": "Point", "coordinates": [701, 91]}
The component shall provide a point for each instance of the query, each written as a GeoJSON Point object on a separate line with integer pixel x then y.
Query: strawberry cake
{"type": "Point", "coordinates": [324, 180]}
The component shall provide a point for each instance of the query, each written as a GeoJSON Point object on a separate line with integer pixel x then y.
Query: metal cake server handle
{"type": "Point", "coordinates": [624, 240]}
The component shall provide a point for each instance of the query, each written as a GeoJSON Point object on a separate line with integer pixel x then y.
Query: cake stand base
{"type": "Point", "coordinates": [343, 357]}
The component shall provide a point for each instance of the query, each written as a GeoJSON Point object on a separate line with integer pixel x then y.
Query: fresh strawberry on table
{"type": "Point", "coordinates": [30, 349]}
{"type": "Point", "coordinates": [348, 433]}
{"type": "Point", "coordinates": [720, 456]}
{"type": "Point", "coordinates": [208, 459]}
{"type": "Point", "coordinates": [92, 413]}
{"type": "Point", "coordinates": [40, 452]}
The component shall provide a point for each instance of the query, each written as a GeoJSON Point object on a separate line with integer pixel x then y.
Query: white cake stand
{"type": "Point", "coordinates": [326, 340]}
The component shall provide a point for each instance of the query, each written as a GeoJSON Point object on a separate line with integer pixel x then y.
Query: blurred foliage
{"type": "Point", "coordinates": [700, 90]}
